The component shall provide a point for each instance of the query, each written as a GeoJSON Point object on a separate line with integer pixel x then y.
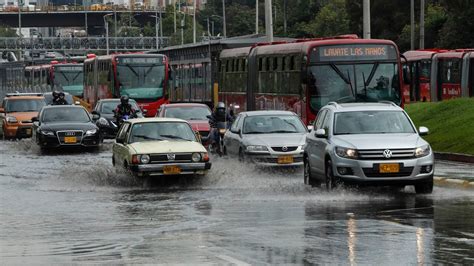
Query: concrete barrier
{"type": "Point", "coordinates": [454, 183]}
{"type": "Point", "coordinates": [458, 157]}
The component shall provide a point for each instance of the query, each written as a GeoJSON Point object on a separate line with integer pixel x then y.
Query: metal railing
{"type": "Point", "coordinates": [83, 43]}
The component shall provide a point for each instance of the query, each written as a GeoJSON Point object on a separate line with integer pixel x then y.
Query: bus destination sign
{"type": "Point", "coordinates": [77, 68]}
{"type": "Point", "coordinates": [353, 52]}
{"type": "Point", "coordinates": [140, 60]}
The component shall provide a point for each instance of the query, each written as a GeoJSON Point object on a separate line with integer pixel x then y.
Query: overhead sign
{"type": "Point", "coordinates": [353, 52]}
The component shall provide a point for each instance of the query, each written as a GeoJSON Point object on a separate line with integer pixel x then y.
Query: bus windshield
{"type": "Point", "coordinates": [69, 79]}
{"type": "Point", "coordinates": [141, 81]}
{"type": "Point", "coordinates": [362, 82]}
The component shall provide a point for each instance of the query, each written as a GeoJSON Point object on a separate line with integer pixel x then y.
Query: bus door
{"type": "Point", "coordinates": [252, 79]}
{"type": "Point", "coordinates": [449, 78]}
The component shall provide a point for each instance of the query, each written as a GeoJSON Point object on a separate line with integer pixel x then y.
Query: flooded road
{"type": "Point", "coordinates": [75, 207]}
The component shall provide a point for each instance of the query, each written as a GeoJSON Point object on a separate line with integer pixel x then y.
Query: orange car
{"type": "Point", "coordinates": [16, 113]}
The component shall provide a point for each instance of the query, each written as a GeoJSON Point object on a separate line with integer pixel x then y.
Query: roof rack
{"type": "Point", "coordinates": [12, 94]}
{"type": "Point", "coordinates": [389, 102]}
{"type": "Point", "coordinates": [335, 104]}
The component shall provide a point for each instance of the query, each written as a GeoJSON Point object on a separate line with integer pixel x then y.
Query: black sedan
{"type": "Point", "coordinates": [66, 126]}
{"type": "Point", "coordinates": [105, 109]}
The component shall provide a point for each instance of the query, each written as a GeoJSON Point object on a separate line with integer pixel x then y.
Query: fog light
{"type": "Point", "coordinates": [344, 170]}
{"type": "Point", "coordinates": [426, 169]}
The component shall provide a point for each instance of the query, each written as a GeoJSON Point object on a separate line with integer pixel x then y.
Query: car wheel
{"type": "Point", "coordinates": [424, 188]}
{"type": "Point", "coordinates": [331, 182]}
{"type": "Point", "coordinates": [308, 176]}
{"type": "Point", "coordinates": [113, 161]}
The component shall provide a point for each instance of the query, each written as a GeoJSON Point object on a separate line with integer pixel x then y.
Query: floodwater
{"type": "Point", "coordinates": [74, 207]}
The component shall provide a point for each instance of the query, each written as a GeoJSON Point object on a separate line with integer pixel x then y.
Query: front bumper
{"type": "Point", "coordinates": [412, 171]}
{"type": "Point", "coordinates": [18, 130]}
{"type": "Point", "coordinates": [47, 141]}
{"type": "Point", "coordinates": [272, 159]}
{"type": "Point", "coordinates": [200, 168]}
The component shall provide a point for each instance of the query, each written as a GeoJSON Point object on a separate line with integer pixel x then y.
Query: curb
{"type": "Point", "coordinates": [457, 157]}
{"type": "Point", "coordinates": [453, 183]}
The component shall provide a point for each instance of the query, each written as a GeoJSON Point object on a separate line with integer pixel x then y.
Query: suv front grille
{"type": "Point", "coordinates": [374, 172]}
{"type": "Point", "coordinates": [289, 148]}
{"type": "Point", "coordinates": [70, 133]}
{"type": "Point", "coordinates": [378, 154]}
{"type": "Point", "coordinates": [163, 158]}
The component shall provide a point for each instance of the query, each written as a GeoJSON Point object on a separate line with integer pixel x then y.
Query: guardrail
{"type": "Point", "coordinates": [83, 43]}
{"type": "Point", "coordinates": [92, 8]}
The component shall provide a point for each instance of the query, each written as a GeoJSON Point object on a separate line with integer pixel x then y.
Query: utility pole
{"type": "Point", "coordinates": [422, 25]}
{"type": "Point", "coordinates": [20, 4]}
{"type": "Point", "coordinates": [256, 16]}
{"type": "Point", "coordinates": [268, 20]}
{"type": "Point", "coordinates": [412, 24]}
{"type": "Point", "coordinates": [174, 7]}
{"type": "Point", "coordinates": [115, 27]}
{"type": "Point", "coordinates": [223, 19]}
{"type": "Point", "coordinates": [366, 15]}
{"type": "Point", "coordinates": [182, 28]}
{"type": "Point", "coordinates": [85, 17]}
{"type": "Point", "coordinates": [106, 34]}
{"type": "Point", "coordinates": [156, 30]}
{"type": "Point", "coordinates": [161, 25]}
{"type": "Point", "coordinates": [285, 5]}
{"type": "Point", "coordinates": [194, 21]}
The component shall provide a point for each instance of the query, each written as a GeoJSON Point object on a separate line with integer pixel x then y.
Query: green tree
{"type": "Point", "coordinates": [331, 20]}
{"type": "Point", "coordinates": [6, 31]}
{"type": "Point", "coordinates": [458, 30]}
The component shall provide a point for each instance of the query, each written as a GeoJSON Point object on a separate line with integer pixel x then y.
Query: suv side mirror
{"type": "Point", "coordinates": [423, 131]}
{"type": "Point", "coordinates": [35, 119]}
{"type": "Point", "coordinates": [320, 133]}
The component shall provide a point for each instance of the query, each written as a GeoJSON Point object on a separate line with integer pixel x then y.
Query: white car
{"type": "Point", "coordinates": [159, 146]}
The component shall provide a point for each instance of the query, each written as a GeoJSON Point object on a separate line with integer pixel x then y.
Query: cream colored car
{"type": "Point", "coordinates": [159, 146]}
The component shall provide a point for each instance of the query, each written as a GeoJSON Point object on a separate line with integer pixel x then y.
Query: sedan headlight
{"type": "Point", "coordinates": [102, 122]}
{"type": "Point", "coordinates": [346, 153]}
{"type": "Point", "coordinates": [256, 148]}
{"type": "Point", "coordinates": [11, 119]}
{"type": "Point", "coordinates": [144, 159]}
{"type": "Point", "coordinates": [91, 132]}
{"type": "Point", "coordinates": [196, 157]}
{"type": "Point", "coordinates": [47, 133]}
{"type": "Point", "coordinates": [422, 151]}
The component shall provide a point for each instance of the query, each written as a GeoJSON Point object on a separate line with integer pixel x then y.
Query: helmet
{"type": "Point", "coordinates": [61, 94]}
{"type": "Point", "coordinates": [220, 105]}
{"type": "Point", "coordinates": [55, 94]}
{"type": "Point", "coordinates": [124, 99]}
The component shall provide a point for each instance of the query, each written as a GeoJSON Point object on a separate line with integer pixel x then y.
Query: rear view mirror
{"type": "Point", "coordinates": [320, 133]}
{"type": "Point", "coordinates": [423, 131]}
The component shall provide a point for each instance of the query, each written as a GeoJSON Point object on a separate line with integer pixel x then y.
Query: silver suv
{"type": "Point", "coordinates": [367, 143]}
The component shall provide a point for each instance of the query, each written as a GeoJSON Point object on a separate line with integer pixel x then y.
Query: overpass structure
{"type": "Point", "coordinates": [79, 18]}
{"type": "Point", "coordinates": [81, 45]}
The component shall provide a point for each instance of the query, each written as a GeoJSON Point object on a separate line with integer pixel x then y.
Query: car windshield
{"type": "Point", "coordinates": [372, 122]}
{"type": "Point", "coordinates": [188, 113]}
{"type": "Point", "coordinates": [24, 105]}
{"type": "Point", "coordinates": [109, 106]}
{"type": "Point", "coordinates": [153, 131]}
{"type": "Point", "coordinates": [269, 124]}
{"type": "Point", "coordinates": [141, 81]}
{"type": "Point", "coordinates": [366, 82]}
{"type": "Point", "coordinates": [65, 114]}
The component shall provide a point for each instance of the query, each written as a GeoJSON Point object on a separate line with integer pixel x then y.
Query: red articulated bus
{"type": "Point", "coordinates": [67, 77]}
{"type": "Point", "coordinates": [304, 75]}
{"type": "Point", "coordinates": [142, 77]}
{"type": "Point", "coordinates": [418, 68]}
{"type": "Point", "coordinates": [37, 78]}
{"type": "Point", "coordinates": [450, 71]}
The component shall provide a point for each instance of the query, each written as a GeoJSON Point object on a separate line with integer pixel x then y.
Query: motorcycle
{"type": "Point", "coordinates": [217, 142]}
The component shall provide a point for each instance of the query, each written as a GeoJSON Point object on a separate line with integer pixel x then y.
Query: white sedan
{"type": "Point", "coordinates": [159, 146]}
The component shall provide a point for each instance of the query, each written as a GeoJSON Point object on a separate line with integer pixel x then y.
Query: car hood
{"type": "Point", "coordinates": [22, 116]}
{"type": "Point", "coordinates": [379, 141]}
{"type": "Point", "coordinates": [199, 125]}
{"type": "Point", "coordinates": [272, 140]}
{"type": "Point", "coordinates": [68, 126]}
{"type": "Point", "coordinates": [165, 146]}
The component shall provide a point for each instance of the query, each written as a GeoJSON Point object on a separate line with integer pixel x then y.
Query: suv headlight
{"type": "Point", "coordinates": [11, 119]}
{"type": "Point", "coordinates": [422, 151]}
{"type": "Point", "coordinates": [91, 132]}
{"type": "Point", "coordinates": [256, 148]}
{"type": "Point", "coordinates": [346, 153]}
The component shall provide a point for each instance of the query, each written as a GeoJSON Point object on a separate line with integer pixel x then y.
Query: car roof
{"type": "Point", "coordinates": [155, 119]}
{"type": "Point", "coordinates": [50, 92]}
{"type": "Point", "coordinates": [267, 112]}
{"type": "Point", "coordinates": [175, 105]}
{"type": "Point", "coordinates": [28, 97]}
{"type": "Point", "coordinates": [353, 107]}
{"type": "Point", "coordinates": [113, 100]}
{"type": "Point", "coordinates": [64, 106]}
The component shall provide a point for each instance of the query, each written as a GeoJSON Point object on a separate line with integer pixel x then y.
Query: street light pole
{"type": "Point", "coordinates": [174, 7]}
{"type": "Point", "coordinates": [106, 23]}
{"type": "Point", "coordinates": [223, 19]}
{"type": "Point", "coordinates": [156, 30]}
{"type": "Point", "coordinates": [194, 21]}
{"type": "Point", "coordinates": [256, 17]}
{"type": "Point", "coordinates": [19, 18]}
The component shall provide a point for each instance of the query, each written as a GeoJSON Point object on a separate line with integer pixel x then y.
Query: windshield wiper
{"type": "Point", "coordinates": [146, 137]}
{"type": "Point", "coordinates": [133, 70]}
{"type": "Point", "coordinates": [174, 137]}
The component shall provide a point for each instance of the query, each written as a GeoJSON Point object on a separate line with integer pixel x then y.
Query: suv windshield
{"type": "Point", "coordinates": [188, 113]}
{"type": "Point", "coordinates": [268, 124]}
{"type": "Point", "coordinates": [109, 106]}
{"type": "Point", "coordinates": [65, 114]}
{"type": "Point", "coordinates": [24, 105]}
{"type": "Point", "coordinates": [372, 122]}
{"type": "Point", "coordinates": [367, 82]}
{"type": "Point", "coordinates": [141, 81]}
{"type": "Point", "coordinates": [152, 131]}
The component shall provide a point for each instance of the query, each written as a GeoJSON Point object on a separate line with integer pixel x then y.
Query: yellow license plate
{"type": "Point", "coordinates": [28, 131]}
{"type": "Point", "coordinates": [285, 159]}
{"type": "Point", "coordinates": [389, 168]}
{"type": "Point", "coordinates": [171, 170]}
{"type": "Point", "coordinates": [70, 139]}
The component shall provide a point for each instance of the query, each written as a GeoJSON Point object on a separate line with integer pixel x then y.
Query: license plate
{"type": "Point", "coordinates": [70, 139]}
{"type": "Point", "coordinates": [171, 170]}
{"type": "Point", "coordinates": [28, 131]}
{"type": "Point", "coordinates": [389, 168]}
{"type": "Point", "coordinates": [285, 159]}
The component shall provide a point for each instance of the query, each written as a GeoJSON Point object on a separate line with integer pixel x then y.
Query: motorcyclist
{"type": "Point", "coordinates": [219, 115]}
{"type": "Point", "coordinates": [124, 108]}
{"type": "Point", "coordinates": [59, 98]}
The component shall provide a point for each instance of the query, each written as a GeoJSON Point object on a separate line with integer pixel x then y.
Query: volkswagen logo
{"type": "Point", "coordinates": [171, 156]}
{"type": "Point", "coordinates": [284, 148]}
{"type": "Point", "coordinates": [387, 153]}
